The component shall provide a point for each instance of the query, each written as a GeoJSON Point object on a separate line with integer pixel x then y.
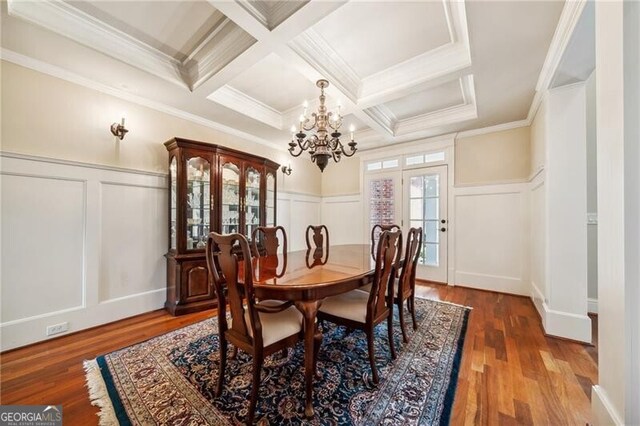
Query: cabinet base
{"type": "Point", "coordinates": [190, 308]}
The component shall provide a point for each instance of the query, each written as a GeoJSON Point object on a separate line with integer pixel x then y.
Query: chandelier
{"type": "Point", "coordinates": [325, 143]}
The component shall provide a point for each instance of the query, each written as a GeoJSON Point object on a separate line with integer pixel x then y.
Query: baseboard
{"type": "Point", "coordinates": [561, 324]}
{"type": "Point", "coordinates": [603, 411]}
{"type": "Point", "coordinates": [495, 283]}
{"type": "Point", "coordinates": [592, 306]}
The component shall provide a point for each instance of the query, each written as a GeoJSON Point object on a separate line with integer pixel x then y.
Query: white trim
{"type": "Point", "coordinates": [507, 285]}
{"type": "Point", "coordinates": [382, 115]}
{"type": "Point", "coordinates": [442, 117]}
{"type": "Point", "coordinates": [569, 18]}
{"type": "Point", "coordinates": [231, 44]}
{"type": "Point", "coordinates": [320, 55]}
{"type": "Point", "coordinates": [63, 74]}
{"type": "Point", "coordinates": [79, 164]}
{"type": "Point", "coordinates": [602, 408]}
{"type": "Point", "coordinates": [239, 101]}
{"type": "Point", "coordinates": [592, 305]}
{"type": "Point", "coordinates": [560, 324]}
{"type": "Point", "coordinates": [491, 183]}
{"type": "Point", "coordinates": [62, 18]}
{"type": "Point", "coordinates": [492, 129]}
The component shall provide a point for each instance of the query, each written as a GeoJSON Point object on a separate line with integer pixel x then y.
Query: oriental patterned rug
{"type": "Point", "coordinates": [170, 379]}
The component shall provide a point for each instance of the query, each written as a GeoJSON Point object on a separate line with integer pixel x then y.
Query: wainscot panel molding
{"type": "Point", "coordinates": [81, 245]}
{"type": "Point", "coordinates": [295, 212]}
{"type": "Point", "coordinates": [491, 237]}
{"type": "Point", "coordinates": [342, 214]}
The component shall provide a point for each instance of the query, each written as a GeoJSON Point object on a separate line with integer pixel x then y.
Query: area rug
{"type": "Point", "coordinates": [170, 379]}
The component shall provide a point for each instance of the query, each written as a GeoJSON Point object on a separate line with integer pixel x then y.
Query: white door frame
{"type": "Point", "coordinates": [440, 273]}
{"type": "Point", "coordinates": [444, 143]}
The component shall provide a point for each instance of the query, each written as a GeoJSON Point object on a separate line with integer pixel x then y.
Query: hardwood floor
{"type": "Point", "coordinates": [510, 373]}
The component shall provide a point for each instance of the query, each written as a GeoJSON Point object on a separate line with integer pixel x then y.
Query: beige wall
{"type": "Point", "coordinates": [538, 138]}
{"type": "Point", "coordinates": [493, 157]}
{"type": "Point", "coordinates": [50, 117]}
{"type": "Point", "coordinates": [342, 178]}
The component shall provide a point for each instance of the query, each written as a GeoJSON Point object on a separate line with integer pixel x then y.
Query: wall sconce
{"type": "Point", "coordinates": [286, 170]}
{"type": "Point", "coordinates": [119, 130]}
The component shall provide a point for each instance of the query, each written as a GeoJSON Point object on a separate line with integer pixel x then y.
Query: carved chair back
{"type": "Point", "coordinates": [320, 239]}
{"type": "Point", "coordinates": [407, 279]}
{"type": "Point", "coordinates": [381, 294]}
{"type": "Point", "coordinates": [265, 242]}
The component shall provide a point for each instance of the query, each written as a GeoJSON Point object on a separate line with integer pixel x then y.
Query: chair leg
{"type": "Point", "coordinates": [392, 345]}
{"type": "Point", "coordinates": [413, 311]}
{"type": "Point", "coordinates": [223, 366]}
{"type": "Point", "coordinates": [401, 316]}
{"type": "Point", "coordinates": [316, 348]}
{"type": "Point", "coordinates": [372, 356]}
{"type": "Point", "coordinates": [234, 352]}
{"type": "Point", "coordinates": [255, 387]}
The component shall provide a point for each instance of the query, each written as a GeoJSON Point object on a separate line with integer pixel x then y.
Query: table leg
{"type": "Point", "coordinates": [309, 310]}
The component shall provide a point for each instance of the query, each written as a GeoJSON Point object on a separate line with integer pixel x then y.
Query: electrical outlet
{"type": "Point", "coordinates": [57, 328]}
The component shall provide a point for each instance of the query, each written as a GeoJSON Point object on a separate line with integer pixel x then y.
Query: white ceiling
{"type": "Point", "coordinates": [401, 70]}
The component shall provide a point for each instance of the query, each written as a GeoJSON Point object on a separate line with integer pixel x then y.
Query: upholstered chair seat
{"type": "Point", "coordinates": [351, 305]}
{"type": "Point", "coordinates": [277, 326]}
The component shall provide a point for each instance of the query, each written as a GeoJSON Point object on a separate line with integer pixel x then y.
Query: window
{"type": "Point", "coordinates": [417, 159]}
{"type": "Point", "coordinates": [424, 211]}
{"type": "Point", "coordinates": [388, 164]}
{"type": "Point", "coordinates": [376, 165]}
{"type": "Point", "coordinates": [383, 164]}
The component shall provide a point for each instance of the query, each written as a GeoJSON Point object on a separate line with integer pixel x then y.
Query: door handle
{"type": "Point", "coordinates": [443, 229]}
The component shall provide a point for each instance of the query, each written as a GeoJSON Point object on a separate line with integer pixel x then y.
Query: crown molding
{"type": "Point", "coordinates": [382, 115]}
{"type": "Point", "coordinates": [569, 18]}
{"type": "Point", "coordinates": [315, 50]}
{"type": "Point", "coordinates": [258, 9]}
{"type": "Point", "coordinates": [442, 117]}
{"type": "Point", "coordinates": [400, 80]}
{"type": "Point", "coordinates": [62, 18]}
{"type": "Point", "coordinates": [241, 102]}
{"type": "Point", "coordinates": [54, 71]}
{"type": "Point", "coordinates": [493, 129]}
{"type": "Point", "coordinates": [220, 51]}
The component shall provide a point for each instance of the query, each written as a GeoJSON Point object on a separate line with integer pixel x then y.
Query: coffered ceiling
{"type": "Point", "coordinates": [400, 70]}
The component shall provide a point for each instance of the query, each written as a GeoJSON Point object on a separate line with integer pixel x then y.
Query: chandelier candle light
{"type": "Point", "coordinates": [325, 143]}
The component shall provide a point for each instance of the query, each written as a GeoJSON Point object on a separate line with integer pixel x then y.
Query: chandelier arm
{"type": "Point", "coordinates": [353, 151]}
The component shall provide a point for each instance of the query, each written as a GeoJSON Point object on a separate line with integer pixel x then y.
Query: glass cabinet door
{"type": "Point", "coordinates": [198, 206]}
{"type": "Point", "coordinates": [271, 200]}
{"type": "Point", "coordinates": [230, 198]}
{"type": "Point", "coordinates": [252, 201]}
{"type": "Point", "coordinates": [173, 177]}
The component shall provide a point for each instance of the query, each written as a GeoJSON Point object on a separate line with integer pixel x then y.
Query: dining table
{"type": "Point", "coordinates": [307, 277]}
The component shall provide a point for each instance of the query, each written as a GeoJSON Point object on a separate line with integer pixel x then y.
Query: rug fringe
{"type": "Point", "coordinates": [445, 302]}
{"type": "Point", "coordinates": [98, 394]}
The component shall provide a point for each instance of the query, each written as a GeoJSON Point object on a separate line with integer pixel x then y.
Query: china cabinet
{"type": "Point", "coordinates": [211, 188]}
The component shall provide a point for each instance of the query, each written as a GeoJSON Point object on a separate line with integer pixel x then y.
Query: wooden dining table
{"type": "Point", "coordinates": [306, 277]}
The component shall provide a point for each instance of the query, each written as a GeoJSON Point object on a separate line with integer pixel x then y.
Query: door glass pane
{"type": "Point", "coordinates": [431, 208]}
{"type": "Point", "coordinates": [198, 198]}
{"type": "Point", "coordinates": [424, 211]}
{"type": "Point", "coordinates": [430, 256]}
{"type": "Point", "coordinates": [230, 198]}
{"type": "Point", "coordinates": [416, 209]}
{"type": "Point", "coordinates": [416, 187]}
{"type": "Point", "coordinates": [381, 202]}
{"type": "Point", "coordinates": [432, 186]}
{"type": "Point", "coordinates": [173, 170]}
{"type": "Point", "coordinates": [271, 200]}
{"type": "Point", "coordinates": [430, 231]}
{"type": "Point", "coordinates": [252, 201]}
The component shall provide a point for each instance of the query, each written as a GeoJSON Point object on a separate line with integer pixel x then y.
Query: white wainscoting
{"type": "Point", "coordinates": [295, 212]}
{"type": "Point", "coordinates": [343, 216]}
{"type": "Point", "coordinates": [80, 244]}
{"type": "Point", "coordinates": [491, 237]}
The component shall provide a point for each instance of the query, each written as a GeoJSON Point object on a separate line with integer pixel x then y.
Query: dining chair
{"type": "Point", "coordinates": [258, 328]}
{"type": "Point", "coordinates": [320, 240]}
{"type": "Point", "coordinates": [376, 231]}
{"type": "Point", "coordinates": [265, 242]}
{"type": "Point", "coordinates": [405, 285]}
{"type": "Point", "coordinates": [365, 310]}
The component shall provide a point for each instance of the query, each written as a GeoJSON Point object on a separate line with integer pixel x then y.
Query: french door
{"type": "Point", "coordinates": [425, 205]}
{"type": "Point", "coordinates": [383, 200]}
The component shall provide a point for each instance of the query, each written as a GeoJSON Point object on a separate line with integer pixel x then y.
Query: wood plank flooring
{"type": "Point", "coordinates": [511, 373]}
